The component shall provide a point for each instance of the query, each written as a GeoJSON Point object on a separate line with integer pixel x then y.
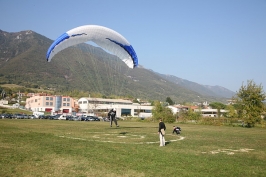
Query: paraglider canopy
{"type": "Point", "coordinates": [104, 37]}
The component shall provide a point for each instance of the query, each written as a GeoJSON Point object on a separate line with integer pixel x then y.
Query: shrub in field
{"type": "Point", "coordinates": [250, 99]}
{"type": "Point", "coordinates": [190, 115]}
{"type": "Point", "coordinates": [160, 111]}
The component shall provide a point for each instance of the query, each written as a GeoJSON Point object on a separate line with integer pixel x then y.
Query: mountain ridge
{"type": "Point", "coordinates": [218, 91]}
{"type": "Point", "coordinates": [86, 67]}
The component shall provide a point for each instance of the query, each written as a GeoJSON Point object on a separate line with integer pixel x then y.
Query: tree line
{"type": "Point", "coordinates": [248, 105]}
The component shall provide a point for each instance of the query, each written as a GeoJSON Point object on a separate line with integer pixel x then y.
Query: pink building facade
{"type": "Point", "coordinates": [50, 103]}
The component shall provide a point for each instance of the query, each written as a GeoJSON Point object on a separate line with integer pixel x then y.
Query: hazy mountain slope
{"type": "Point", "coordinates": [215, 91]}
{"type": "Point", "coordinates": [82, 67]}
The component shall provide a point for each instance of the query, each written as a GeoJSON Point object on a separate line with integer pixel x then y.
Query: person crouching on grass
{"type": "Point", "coordinates": [176, 130]}
{"type": "Point", "coordinates": [161, 132]}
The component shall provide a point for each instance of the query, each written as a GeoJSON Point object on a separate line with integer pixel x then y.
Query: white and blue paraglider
{"type": "Point", "coordinates": [104, 37]}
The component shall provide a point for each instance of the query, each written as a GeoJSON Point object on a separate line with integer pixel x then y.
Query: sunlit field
{"type": "Point", "coordinates": [75, 148]}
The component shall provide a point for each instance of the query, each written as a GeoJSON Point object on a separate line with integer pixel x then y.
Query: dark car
{"type": "Point", "coordinates": [41, 117]}
{"type": "Point", "coordinates": [84, 118]}
{"type": "Point", "coordinates": [56, 117]}
{"type": "Point", "coordinates": [53, 117]}
{"type": "Point", "coordinates": [69, 117]}
{"type": "Point", "coordinates": [50, 117]}
{"type": "Point", "coordinates": [97, 119]}
{"type": "Point", "coordinates": [7, 116]}
{"type": "Point", "coordinates": [93, 118]}
{"type": "Point", "coordinates": [46, 117]}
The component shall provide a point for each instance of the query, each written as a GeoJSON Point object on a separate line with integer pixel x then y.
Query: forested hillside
{"type": "Point", "coordinates": [82, 68]}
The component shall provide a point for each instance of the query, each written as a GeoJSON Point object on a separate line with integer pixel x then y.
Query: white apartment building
{"type": "Point", "coordinates": [123, 107]}
{"type": "Point", "coordinates": [211, 112]}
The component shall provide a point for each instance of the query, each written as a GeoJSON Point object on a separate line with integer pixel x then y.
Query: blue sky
{"type": "Point", "coordinates": [210, 42]}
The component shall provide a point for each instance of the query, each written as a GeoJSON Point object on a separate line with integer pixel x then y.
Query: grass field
{"type": "Point", "coordinates": [73, 148]}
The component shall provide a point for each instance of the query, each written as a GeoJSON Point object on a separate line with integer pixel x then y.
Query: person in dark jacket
{"type": "Point", "coordinates": [112, 117]}
{"type": "Point", "coordinates": [161, 132]}
{"type": "Point", "coordinates": [176, 130]}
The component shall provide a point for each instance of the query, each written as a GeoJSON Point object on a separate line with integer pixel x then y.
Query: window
{"type": "Point", "coordinates": [64, 104]}
{"type": "Point", "coordinates": [80, 102]}
{"type": "Point", "coordinates": [84, 102]}
{"type": "Point", "coordinates": [47, 98]}
{"type": "Point", "coordinates": [64, 99]}
{"type": "Point", "coordinates": [51, 98]}
{"type": "Point", "coordinates": [68, 104]}
{"type": "Point", "coordinates": [47, 103]}
{"type": "Point", "coordinates": [51, 103]}
{"type": "Point", "coordinates": [125, 112]}
{"type": "Point", "coordinates": [68, 99]}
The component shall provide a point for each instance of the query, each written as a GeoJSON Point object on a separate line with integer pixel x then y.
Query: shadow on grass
{"type": "Point", "coordinates": [123, 133]}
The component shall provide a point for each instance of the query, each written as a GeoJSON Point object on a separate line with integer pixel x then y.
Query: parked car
{"type": "Point", "coordinates": [69, 117]}
{"type": "Point", "coordinates": [84, 118]}
{"type": "Point", "coordinates": [93, 118]}
{"type": "Point", "coordinates": [106, 119]}
{"type": "Point", "coordinates": [46, 117]}
{"type": "Point", "coordinates": [62, 117]}
{"type": "Point", "coordinates": [54, 117]}
{"type": "Point", "coordinates": [32, 117]}
{"type": "Point", "coordinates": [75, 118]}
{"type": "Point", "coordinates": [19, 116]}
{"type": "Point", "coordinates": [49, 117]}
{"type": "Point", "coordinates": [41, 117]}
{"type": "Point", "coordinates": [7, 116]}
{"type": "Point", "coordinates": [25, 116]}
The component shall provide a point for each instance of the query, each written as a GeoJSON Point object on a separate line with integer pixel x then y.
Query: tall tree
{"type": "Point", "coordinates": [250, 99]}
{"type": "Point", "coordinates": [190, 115]}
{"type": "Point", "coordinates": [231, 111]}
{"type": "Point", "coordinates": [169, 101]}
{"type": "Point", "coordinates": [218, 106]}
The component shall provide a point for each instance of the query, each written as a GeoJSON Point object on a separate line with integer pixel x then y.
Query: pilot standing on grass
{"type": "Point", "coordinates": [112, 116]}
{"type": "Point", "coordinates": [161, 132]}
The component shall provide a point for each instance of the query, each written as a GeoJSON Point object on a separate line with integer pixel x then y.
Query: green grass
{"type": "Point", "coordinates": [70, 148]}
{"type": "Point", "coordinates": [14, 111]}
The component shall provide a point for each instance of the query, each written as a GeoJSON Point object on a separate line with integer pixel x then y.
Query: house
{"type": "Point", "coordinates": [178, 108]}
{"type": "Point", "coordinates": [2, 102]}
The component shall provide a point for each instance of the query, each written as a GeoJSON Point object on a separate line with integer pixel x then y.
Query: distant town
{"type": "Point", "coordinates": [40, 103]}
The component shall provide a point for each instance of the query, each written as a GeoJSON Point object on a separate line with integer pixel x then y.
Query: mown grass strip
{"type": "Point", "coordinates": [69, 148]}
